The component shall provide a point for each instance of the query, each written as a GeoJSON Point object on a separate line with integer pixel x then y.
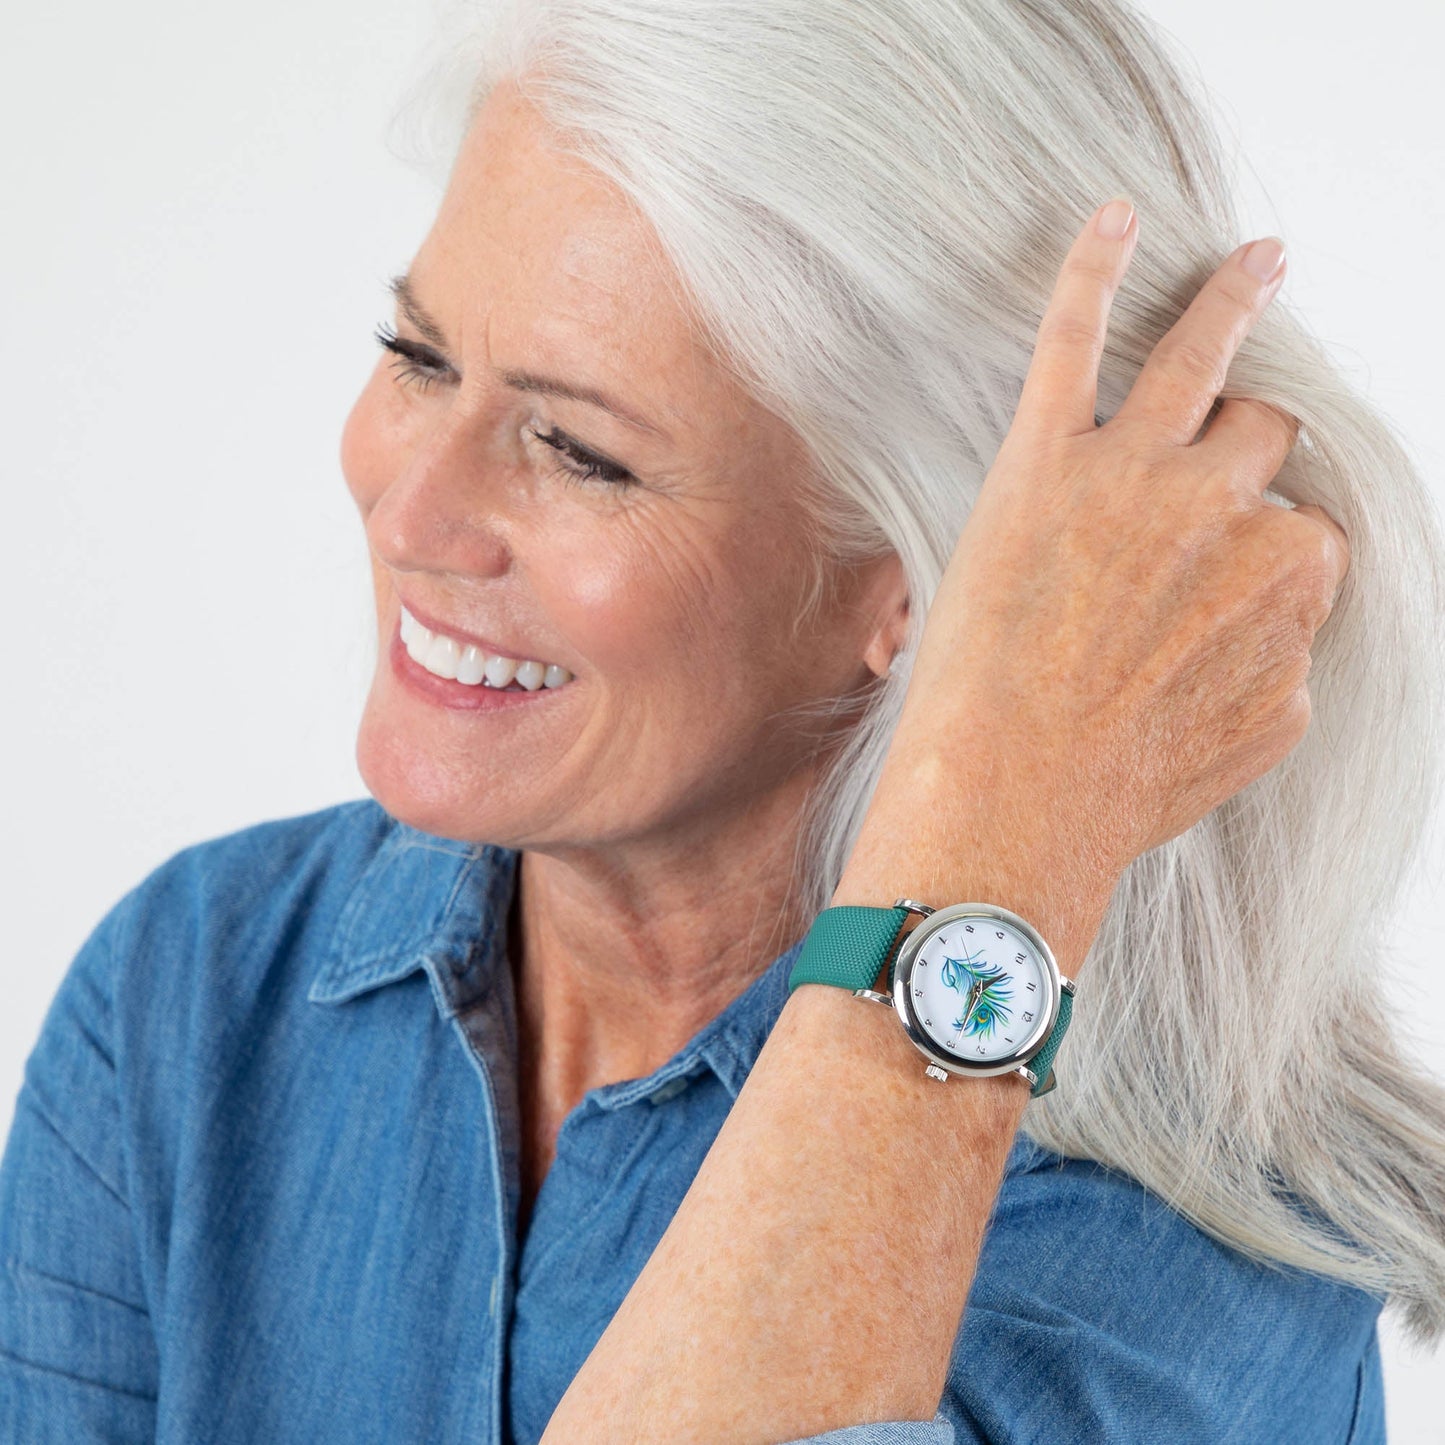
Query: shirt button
{"type": "Point", "coordinates": [670, 1089]}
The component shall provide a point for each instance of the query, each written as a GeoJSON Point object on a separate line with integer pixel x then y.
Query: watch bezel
{"type": "Point", "coordinates": [913, 944]}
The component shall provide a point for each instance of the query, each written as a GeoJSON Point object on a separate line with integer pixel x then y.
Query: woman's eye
{"type": "Point", "coordinates": [419, 366]}
{"type": "Point", "coordinates": [581, 464]}
{"type": "Point", "coordinates": [416, 365]}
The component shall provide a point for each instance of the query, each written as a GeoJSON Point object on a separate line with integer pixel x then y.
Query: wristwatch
{"type": "Point", "coordinates": [975, 986]}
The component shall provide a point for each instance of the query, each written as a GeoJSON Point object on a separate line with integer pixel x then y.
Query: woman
{"type": "Point", "coordinates": [491, 1106]}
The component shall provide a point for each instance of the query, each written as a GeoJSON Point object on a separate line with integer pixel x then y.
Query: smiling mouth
{"type": "Point", "coordinates": [457, 661]}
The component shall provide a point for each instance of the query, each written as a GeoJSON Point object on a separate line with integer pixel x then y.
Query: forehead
{"type": "Point", "coordinates": [538, 259]}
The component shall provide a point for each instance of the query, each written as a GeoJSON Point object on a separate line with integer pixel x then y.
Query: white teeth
{"type": "Point", "coordinates": [465, 662]}
{"type": "Point", "coordinates": [500, 670]}
{"type": "Point", "coordinates": [472, 664]}
{"type": "Point", "coordinates": [442, 655]}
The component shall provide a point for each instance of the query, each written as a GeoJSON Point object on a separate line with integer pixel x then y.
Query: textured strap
{"type": "Point", "coordinates": [1043, 1061]}
{"type": "Point", "coordinates": [849, 943]}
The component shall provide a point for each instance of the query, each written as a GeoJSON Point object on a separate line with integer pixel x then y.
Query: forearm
{"type": "Point", "coordinates": [816, 1272]}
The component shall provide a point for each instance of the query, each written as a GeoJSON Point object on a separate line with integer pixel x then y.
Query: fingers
{"type": "Point", "coordinates": [1062, 384]}
{"type": "Point", "coordinates": [1250, 440]}
{"type": "Point", "coordinates": [1338, 541]}
{"type": "Point", "coordinates": [1186, 371]}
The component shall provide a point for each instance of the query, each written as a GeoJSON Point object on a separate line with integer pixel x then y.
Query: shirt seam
{"type": "Point", "coordinates": [1353, 1434]}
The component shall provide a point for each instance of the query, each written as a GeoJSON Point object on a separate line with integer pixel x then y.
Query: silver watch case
{"type": "Point", "coordinates": [935, 921]}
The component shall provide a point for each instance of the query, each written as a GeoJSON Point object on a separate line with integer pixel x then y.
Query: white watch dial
{"type": "Point", "coordinates": [979, 989]}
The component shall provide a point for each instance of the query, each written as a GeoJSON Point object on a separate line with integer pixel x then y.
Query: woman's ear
{"type": "Point", "coordinates": [890, 592]}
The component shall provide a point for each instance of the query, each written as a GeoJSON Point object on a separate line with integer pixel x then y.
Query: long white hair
{"type": "Point", "coordinates": [868, 202]}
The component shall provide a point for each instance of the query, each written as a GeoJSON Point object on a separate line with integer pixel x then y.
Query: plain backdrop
{"type": "Point", "coordinates": [200, 211]}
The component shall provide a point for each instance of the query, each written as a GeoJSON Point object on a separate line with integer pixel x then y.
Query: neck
{"type": "Point", "coordinates": [622, 954]}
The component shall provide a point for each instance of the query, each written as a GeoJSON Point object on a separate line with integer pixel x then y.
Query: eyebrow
{"type": "Point", "coordinates": [401, 288]}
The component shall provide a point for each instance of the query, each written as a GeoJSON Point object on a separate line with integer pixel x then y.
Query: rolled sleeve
{"type": "Point", "coordinates": [78, 1360]}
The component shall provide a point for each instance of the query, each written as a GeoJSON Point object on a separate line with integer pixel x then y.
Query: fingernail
{"type": "Point", "coordinates": [1115, 217]}
{"type": "Point", "coordinates": [1264, 258]}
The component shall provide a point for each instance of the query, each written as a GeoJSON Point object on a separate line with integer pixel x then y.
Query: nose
{"type": "Point", "coordinates": [440, 512]}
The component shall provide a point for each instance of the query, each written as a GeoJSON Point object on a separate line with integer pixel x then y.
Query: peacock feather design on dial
{"type": "Point", "coordinates": [992, 1008]}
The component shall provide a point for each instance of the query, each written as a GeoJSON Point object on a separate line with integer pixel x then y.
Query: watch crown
{"type": "Point", "coordinates": [934, 1072]}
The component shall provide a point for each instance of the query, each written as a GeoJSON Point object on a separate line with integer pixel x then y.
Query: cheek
{"type": "Point", "coordinates": [669, 601]}
{"type": "Point", "coordinates": [610, 595]}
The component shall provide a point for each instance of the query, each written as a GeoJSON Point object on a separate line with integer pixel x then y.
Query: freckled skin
{"type": "Point", "coordinates": [656, 804]}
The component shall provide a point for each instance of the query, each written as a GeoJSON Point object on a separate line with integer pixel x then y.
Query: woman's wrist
{"type": "Point", "coordinates": [974, 841]}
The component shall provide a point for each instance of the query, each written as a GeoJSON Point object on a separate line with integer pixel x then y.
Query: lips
{"type": "Point", "coordinates": [457, 696]}
{"type": "Point", "coordinates": [463, 637]}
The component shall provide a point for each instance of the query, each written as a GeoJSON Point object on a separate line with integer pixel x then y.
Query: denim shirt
{"type": "Point", "coordinates": [262, 1185]}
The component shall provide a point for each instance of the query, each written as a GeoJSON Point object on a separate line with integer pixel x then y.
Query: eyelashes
{"type": "Point", "coordinates": [415, 365]}
{"type": "Point", "coordinates": [588, 465]}
{"type": "Point", "coordinates": [419, 367]}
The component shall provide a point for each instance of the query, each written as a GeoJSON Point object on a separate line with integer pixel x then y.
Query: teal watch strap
{"type": "Point", "coordinates": [1042, 1063]}
{"type": "Point", "coordinates": [847, 946]}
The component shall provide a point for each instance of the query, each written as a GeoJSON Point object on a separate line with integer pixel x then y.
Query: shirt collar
{"type": "Point", "coordinates": [440, 905]}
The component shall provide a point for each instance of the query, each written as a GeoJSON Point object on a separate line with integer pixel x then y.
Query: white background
{"type": "Point", "coordinates": [200, 211]}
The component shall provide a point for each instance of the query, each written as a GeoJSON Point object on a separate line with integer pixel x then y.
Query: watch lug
{"type": "Point", "coordinates": [1067, 984]}
{"type": "Point", "coordinates": [873, 996]}
{"type": "Point", "coordinates": [913, 906]}
{"type": "Point", "coordinates": [1028, 1074]}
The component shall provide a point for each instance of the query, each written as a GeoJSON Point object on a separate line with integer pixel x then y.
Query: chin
{"type": "Point", "coordinates": [415, 789]}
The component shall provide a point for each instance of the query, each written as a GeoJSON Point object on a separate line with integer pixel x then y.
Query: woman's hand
{"type": "Point", "coordinates": [1124, 617]}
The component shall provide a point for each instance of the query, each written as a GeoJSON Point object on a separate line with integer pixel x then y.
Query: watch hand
{"type": "Point", "coordinates": [975, 997]}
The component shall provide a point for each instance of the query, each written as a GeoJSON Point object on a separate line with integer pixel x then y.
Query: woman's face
{"type": "Point", "coordinates": [670, 597]}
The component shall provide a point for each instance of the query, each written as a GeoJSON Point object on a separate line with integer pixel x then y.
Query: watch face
{"type": "Point", "coordinates": [979, 989]}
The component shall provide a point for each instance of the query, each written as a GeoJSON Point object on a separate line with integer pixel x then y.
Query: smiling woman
{"type": "Point", "coordinates": [794, 505]}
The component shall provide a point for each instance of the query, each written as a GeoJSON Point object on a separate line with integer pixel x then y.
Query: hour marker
{"type": "Point", "coordinates": [1028, 1018]}
{"type": "Point", "coordinates": [1030, 987]}
{"type": "Point", "coordinates": [999, 931]}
